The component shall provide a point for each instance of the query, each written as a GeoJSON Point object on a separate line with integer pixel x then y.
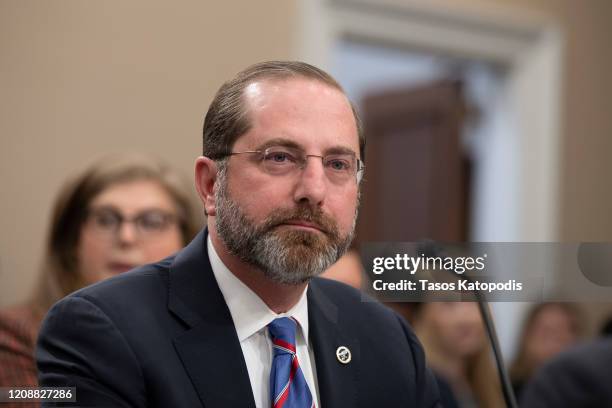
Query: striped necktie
{"type": "Point", "coordinates": [288, 387]}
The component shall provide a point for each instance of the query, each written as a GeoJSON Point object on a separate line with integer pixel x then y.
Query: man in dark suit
{"type": "Point", "coordinates": [578, 377]}
{"type": "Point", "coordinates": [238, 318]}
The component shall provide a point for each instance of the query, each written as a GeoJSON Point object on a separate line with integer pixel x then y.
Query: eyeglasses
{"type": "Point", "coordinates": [284, 160]}
{"type": "Point", "coordinates": [107, 222]}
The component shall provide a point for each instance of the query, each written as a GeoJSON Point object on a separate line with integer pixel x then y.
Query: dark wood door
{"type": "Point", "coordinates": [416, 183]}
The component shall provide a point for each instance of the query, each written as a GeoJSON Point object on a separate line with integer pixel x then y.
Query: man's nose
{"type": "Point", "coordinates": [312, 183]}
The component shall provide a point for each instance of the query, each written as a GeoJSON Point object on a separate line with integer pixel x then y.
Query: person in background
{"type": "Point", "coordinates": [457, 351]}
{"type": "Point", "coordinates": [606, 328]}
{"type": "Point", "coordinates": [579, 376]}
{"type": "Point", "coordinates": [121, 212]}
{"type": "Point", "coordinates": [348, 269]}
{"type": "Point", "coordinates": [549, 329]}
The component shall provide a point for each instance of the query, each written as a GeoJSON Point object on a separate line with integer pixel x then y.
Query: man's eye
{"type": "Point", "coordinates": [279, 157]}
{"type": "Point", "coordinates": [339, 164]}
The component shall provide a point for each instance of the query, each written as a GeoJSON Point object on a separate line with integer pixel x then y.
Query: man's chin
{"type": "Point", "coordinates": [302, 237]}
{"type": "Point", "coordinates": [296, 257]}
{"type": "Point", "coordinates": [293, 275]}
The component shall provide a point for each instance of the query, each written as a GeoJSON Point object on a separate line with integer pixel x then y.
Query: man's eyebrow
{"type": "Point", "coordinates": [279, 141]}
{"type": "Point", "coordinates": [339, 150]}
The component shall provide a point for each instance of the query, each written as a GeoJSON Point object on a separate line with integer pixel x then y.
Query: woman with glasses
{"type": "Point", "coordinates": [120, 213]}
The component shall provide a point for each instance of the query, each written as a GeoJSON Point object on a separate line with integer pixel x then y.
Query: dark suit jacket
{"type": "Point", "coordinates": [580, 377]}
{"type": "Point", "coordinates": [162, 336]}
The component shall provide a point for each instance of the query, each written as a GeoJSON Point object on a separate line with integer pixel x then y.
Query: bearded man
{"type": "Point", "coordinates": [239, 317]}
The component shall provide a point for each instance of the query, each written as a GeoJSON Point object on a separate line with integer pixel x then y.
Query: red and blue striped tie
{"type": "Point", "coordinates": [288, 387]}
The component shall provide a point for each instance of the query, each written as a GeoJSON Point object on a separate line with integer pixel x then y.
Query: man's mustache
{"type": "Point", "coordinates": [315, 217]}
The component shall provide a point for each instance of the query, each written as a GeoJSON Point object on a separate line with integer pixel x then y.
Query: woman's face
{"type": "Point", "coordinates": [551, 331]}
{"type": "Point", "coordinates": [128, 224]}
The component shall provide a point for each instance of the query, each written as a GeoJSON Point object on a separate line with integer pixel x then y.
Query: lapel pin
{"type": "Point", "coordinates": [343, 354]}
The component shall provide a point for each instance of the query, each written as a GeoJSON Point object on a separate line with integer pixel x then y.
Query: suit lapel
{"type": "Point", "coordinates": [209, 349]}
{"type": "Point", "coordinates": [337, 381]}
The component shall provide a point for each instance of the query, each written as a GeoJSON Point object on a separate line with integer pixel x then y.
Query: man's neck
{"type": "Point", "coordinates": [277, 296]}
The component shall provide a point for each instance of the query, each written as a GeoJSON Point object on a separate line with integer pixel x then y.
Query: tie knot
{"type": "Point", "coordinates": [282, 332]}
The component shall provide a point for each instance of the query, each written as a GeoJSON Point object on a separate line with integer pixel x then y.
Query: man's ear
{"type": "Point", "coordinates": [205, 179]}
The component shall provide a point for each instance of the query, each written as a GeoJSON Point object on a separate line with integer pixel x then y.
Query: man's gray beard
{"type": "Point", "coordinates": [289, 257]}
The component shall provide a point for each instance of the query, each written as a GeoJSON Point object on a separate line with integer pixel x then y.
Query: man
{"type": "Point", "coordinates": [238, 318]}
{"type": "Point", "coordinates": [578, 377]}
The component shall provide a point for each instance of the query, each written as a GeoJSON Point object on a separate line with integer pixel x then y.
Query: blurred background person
{"type": "Point", "coordinates": [577, 377]}
{"type": "Point", "coordinates": [549, 328]}
{"type": "Point", "coordinates": [606, 327]}
{"type": "Point", "coordinates": [458, 352]}
{"type": "Point", "coordinates": [122, 212]}
{"type": "Point", "coordinates": [347, 269]}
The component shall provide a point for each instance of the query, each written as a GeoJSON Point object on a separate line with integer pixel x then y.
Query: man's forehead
{"type": "Point", "coordinates": [313, 114]}
{"type": "Point", "coordinates": [253, 90]}
{"type": "Point", "coordinates": [266, 88]}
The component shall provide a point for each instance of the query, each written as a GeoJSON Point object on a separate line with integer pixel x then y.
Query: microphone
{"type": "Point", "coordinates": [430, 249]}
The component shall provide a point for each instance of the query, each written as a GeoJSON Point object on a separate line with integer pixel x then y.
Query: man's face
{"type": "Point", "coordinates": [291, 226]}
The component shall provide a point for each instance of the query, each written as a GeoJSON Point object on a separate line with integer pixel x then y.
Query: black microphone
{"type": "Point", "coordinates": [429, 248]}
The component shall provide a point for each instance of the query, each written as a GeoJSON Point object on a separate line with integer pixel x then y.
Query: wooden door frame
{"type": "Point", "coordinates": [527, 45]}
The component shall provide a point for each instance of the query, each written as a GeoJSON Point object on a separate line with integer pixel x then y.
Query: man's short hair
{"type": "Point", "coordinates": [227, 117]}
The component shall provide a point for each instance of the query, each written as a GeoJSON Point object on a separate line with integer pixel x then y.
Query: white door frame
{"type": "Point", "coordinates": [529, 46]}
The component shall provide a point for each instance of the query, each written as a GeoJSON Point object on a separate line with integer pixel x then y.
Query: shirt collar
{"type": "Point", "coordinates": [249, 313]}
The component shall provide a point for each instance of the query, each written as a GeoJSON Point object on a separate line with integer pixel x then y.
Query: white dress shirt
{"type": "Point", "coordinates": [251, 317]}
